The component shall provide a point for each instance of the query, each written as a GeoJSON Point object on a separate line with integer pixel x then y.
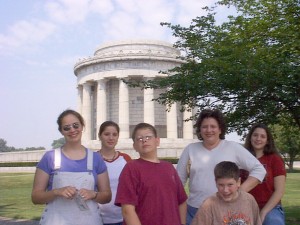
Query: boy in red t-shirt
{"type": "Point", "coordinates": [150, 191]}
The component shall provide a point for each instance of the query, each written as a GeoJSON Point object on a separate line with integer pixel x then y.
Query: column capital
{"type": "Point", "coordinates": [102, 81]}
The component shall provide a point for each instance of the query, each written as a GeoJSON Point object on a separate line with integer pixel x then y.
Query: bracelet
{"type": "Point", "coordinates": [96, 194]}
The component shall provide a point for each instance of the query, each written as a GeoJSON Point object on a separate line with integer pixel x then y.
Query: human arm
{"type": "Point", "coordinates": [104, 192]}
{"type": "Point", "coordinates": [182, 165]}
{"type": "Point", "coordinates": [249, 184]}
{"type": "Point", "coordinates": [182, 212]}
{"type": "Point", "coordinates": [40, 195]}
{"type": "Point", "coordinates": [279, 188]}
{"type": "Point", "coordinates": [129, 214]}
{"type": "Point", "coordinates": [246, 161]}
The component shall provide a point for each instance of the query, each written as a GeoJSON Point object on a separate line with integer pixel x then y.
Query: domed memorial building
{"type": "Point", "coordinates": [102, 94]}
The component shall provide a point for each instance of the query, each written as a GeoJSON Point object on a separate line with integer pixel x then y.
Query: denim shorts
{"type": "Point", "coordinates": [191, 212]}
{"type": "Point", "coordinates": [275, 216]}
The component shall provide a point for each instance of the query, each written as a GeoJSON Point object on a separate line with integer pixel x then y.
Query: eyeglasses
{"type": "Point", "coordinates": [142, 138]}
{"type": "Point", "coordinates": [68, 127]}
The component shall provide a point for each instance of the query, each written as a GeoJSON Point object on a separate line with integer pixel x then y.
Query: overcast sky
{"type": "Point", "coordinates": [40, 41]}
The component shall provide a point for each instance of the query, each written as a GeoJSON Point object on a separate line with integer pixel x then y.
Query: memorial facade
{"type": "Point", "coordinates": [103, 94]}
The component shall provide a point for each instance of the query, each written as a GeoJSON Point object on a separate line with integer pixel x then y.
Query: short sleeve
{"type": "Point", "coordinates": [126, 192]}
{"type": "Point", "coordinates": [47, 162]}
{"type": "Point", "coordinates": [278, 167]}
{"type": "Point", "coordinates": [99, 164]}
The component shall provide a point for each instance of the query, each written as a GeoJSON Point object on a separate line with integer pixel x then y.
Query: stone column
{"type": "Point", "coordinates": [187, 126]}
{"type": "Point", "coordinates": [172, 122]}
{"type": "Point", "coordinates": [79, 99]}
{"type": "Point", "coordinates": [87, 112]}
{"type": "Point", "coordinates": [123, 110]}
{"type": "Point", "coordinates": [149, 106]}
{"type": "Point", "coordinates": [101, 103]}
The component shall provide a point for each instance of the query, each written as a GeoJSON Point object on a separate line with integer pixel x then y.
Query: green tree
{"type": "Point", "coordinates": [247, 66]}
{"type": "Point", "coordinates": [34, 148]}
{"type": "Point", "coordinates": [3, 146]}
{"type": "Point", "coordinates": [288, 142]}
{"type": "Point", "coordinates": [58, 143]}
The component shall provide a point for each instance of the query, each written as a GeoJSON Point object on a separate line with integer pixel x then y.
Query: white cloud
{"type": "Point", "coordinates": [26, 33]}
{"type": "Point", "coordinates": [121, 24]}
{"type": "Point", "coordinates": [128, 6]}
{"type": "Point", "coordinates": [103, 7]}
{"type": "Point", "coordinates": [156, 11]}
{"type": "Point", "coordinates": [67, 11]}
{"type": "Point", "coordinates": [190, 9]}
{"type": "Point", "coordinates": [139, 19]}
{"type": "Point", "coordinates": [120, 19]}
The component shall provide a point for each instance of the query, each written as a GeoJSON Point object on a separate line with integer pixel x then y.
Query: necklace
{"type": "Point", "coordinates": [107, 159]}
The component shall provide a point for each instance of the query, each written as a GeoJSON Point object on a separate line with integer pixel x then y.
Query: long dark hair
{"type": "Point", "coordinates": [270, 147]}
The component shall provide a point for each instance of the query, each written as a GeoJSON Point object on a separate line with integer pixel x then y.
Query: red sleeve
{"type": "Point", "coordinates": [278, 166]}
{"type": "Point", "coordinates": [126, 192]}
{"type": "Point", "coordinates": [125, 156]}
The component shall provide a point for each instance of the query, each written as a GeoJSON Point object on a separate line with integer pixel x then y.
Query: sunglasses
{"type": "Point", "coordinates": [68, 127]}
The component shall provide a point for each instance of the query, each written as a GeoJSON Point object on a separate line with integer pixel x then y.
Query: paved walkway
{"type": "Point", "coordinates": [8, 221]}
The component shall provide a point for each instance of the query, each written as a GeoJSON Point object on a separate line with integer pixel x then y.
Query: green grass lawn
{"type": "Point", "coordinates": [15, 197]}
{"type": "Point", "coordinates": [291, 199]}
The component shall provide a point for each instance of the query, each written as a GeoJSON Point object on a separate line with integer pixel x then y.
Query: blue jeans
{"type": "Point", "coordinates": [275, 216]}
{"type": "Point", "coordinates": [191, 211]}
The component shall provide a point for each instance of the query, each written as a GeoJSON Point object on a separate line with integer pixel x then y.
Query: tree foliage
{"type": "Point", "coordinates": [247, 66]}
{"type": "Point", "coordinates": [5, 148]}
{"type": "Point", "coordinates": [288, 142]}
{"type": "Point", "coordinates": [58, 143]}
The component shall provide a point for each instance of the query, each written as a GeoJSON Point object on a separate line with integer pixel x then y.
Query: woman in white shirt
{"type": "Point", "coordinates": [198, 160]}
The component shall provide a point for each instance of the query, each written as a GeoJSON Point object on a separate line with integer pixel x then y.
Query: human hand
{"type": "Point", "coordinates": [87, 194]}
{"type": "Point", "coordinates": [67, 192]}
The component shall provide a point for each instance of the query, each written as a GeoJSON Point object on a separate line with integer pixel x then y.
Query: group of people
{"type": "Point", "coordinates": [227, 183]}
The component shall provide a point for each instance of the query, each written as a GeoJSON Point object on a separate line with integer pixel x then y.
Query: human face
{"type": "Point", "coordinates": [259, 139]}
{"type": "Point", "coordinates": [210, 131]}
{"type": "Point", "coordinates": [228, 188]}
{"type": "Point", "coordinates": [109, 138]}
{"type": "Point", "coordinates": [145, 142]}
{"type": "Point", "coordinates": [74, 134]}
